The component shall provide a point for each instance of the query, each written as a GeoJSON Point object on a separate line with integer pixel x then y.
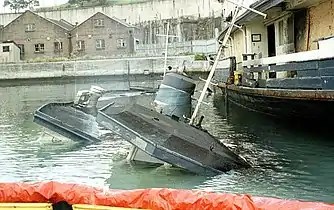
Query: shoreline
{"type": "Point", "coordinates": [97, 68]}
{"type": "Point", "coordinates": [87, 79]}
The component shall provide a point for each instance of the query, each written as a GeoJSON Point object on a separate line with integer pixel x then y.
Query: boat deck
{"type": "Point", "coordinates": [68, 121]}
{"type": "Point", "coordinates": [168, 140]}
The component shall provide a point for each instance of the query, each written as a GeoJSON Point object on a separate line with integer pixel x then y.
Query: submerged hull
{"type": "Point", "coordinates": [300, 105]}
{"type": "Point", "coordinates": [79, 124]}
{"type": "Point", "coordinates": [169, 140]}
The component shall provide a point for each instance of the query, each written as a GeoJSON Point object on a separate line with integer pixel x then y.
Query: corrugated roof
{"type": "Point", "coordinates": [61, 23]}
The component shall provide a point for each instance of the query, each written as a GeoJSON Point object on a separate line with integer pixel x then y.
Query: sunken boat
{"type": "Point", "coordinates": [159, 133]}
{"type": "Point", "coordinates": [76, 119]}
{"type": "Point", "coordinates": [164, 133]}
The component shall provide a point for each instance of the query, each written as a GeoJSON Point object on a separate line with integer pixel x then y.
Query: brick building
{"type": "Point", "coordinates": [39, 37]}
{"type": "Point", "coordinates": [43, 37]}
{"type": "Point", "coordinates": [105, 36]}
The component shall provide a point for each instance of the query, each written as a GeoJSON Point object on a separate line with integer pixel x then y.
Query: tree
{"type": "Point", "coordinates": [17, 5]}
{"type": "Point", "coordinates": [88, 2]}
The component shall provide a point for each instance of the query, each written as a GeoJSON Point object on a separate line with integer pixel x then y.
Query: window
{"type": "Point", "coordinates": [99, 23]}
{"type": "Point", "coordinates": [30, 27]}
{"type": "Point", "coordinates": [58, 46]}
{"type": "Point", "coordinates": [121, 43]}
{"type": "Point", "coordinates": [81, 45]}
{"type": "Point", "coordinates": [100, 44]}
{"type": "Point", "coordinates": [39, 48]}
{"type": "Point", "coordinates": [5, 48]}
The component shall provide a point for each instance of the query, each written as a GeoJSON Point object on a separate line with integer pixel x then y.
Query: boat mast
{"type": "Point", "coordinates": [220, 50]}
{"type": "Point", "coordinates": [167, 35]}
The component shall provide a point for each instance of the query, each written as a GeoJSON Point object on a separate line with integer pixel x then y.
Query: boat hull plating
{"type": "Point", "coordinates": [297, 105]}
{"type": "Point", "coordinates": [170, 141]}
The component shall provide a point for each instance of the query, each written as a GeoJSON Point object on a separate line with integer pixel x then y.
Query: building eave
{"type": "Point", "coordinates": [110, 18]}
{"type": "Point", "coordinates": [46, 19]}
{"type": "Point", "coordinates": [260, 5]}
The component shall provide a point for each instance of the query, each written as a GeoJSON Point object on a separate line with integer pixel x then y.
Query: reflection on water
{"type": "Point", "coordinates": [286, 163]}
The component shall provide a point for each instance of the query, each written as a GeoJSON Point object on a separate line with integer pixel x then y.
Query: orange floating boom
{"type": "Point", "coordinates": [155, 199]}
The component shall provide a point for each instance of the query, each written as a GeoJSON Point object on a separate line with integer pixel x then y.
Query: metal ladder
{"type": "Point", "coordinates": [220, 50]}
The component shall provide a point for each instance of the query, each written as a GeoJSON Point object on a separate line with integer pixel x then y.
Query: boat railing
{"type": "Point", "coordinates": [303, 70]}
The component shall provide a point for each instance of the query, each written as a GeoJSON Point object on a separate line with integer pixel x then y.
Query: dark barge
{"type": "Point", "coordinates": [298, 86]}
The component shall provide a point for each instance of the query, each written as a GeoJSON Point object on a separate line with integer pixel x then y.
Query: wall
{"type": "Point", "coordinates": [321, 22]}
{"type": "Point", "coordinates": [187, 28]}
{"type": "Point", "coordinates": [239, 47]}
{"type": "Point", "coordinates": [97, 67]}
{"type": "Point", "coordinates": [261, 47]}
{"type": "Point", "coordinates": [134, 13]}
{"type": "Point", "coordinates": [177, 48]}
{"type": "Point", "coordinates": [12, 56]}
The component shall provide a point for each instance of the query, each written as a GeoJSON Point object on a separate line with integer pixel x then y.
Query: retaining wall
{"type": "Point", "coordinates": [107, 67]}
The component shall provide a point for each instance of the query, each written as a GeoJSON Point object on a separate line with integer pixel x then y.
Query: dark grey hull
{"type": "Point", "coordinates": [170, 141]}
{"type": "Point", "coordinates": [79, 124]}
{"type": "Point", "coordinates": [304, 106]}
{"type": "Point", "coordinates": [68, 121]}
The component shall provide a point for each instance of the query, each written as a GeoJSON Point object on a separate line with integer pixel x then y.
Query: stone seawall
{"type": "Point", "coordinates": [90, 68]}
{"type": "Point", "coordinates": [132, 13]}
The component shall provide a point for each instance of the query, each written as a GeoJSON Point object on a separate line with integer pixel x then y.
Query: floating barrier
{"type": "Point", "coordinates": [60, 196]}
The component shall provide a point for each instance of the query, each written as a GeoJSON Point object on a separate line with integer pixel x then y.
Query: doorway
{"type": "Point", "coordinates": [271, 40]}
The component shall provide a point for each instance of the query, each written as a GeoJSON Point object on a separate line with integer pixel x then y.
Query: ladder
{"type": "Point", "coordinates": [220, 50]}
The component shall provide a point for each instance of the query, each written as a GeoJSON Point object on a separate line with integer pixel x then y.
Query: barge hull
{"type": "Point", "coordinates": [282, 104]}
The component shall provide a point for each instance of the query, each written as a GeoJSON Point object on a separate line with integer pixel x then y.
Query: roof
{"type": "Point", "coordinates": [9, 42]}
{"type": "Point", "coordinates": [111, 18]}
{"type": "Point", "coordinates": [260, 5]}
{"type": "Point", "coordinates": [63, 23]}
{"type": "Point", "coordinates": [55, 22]}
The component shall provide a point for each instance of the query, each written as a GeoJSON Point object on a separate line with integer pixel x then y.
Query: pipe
{"type": "Point", "coordinates": [232, 45]}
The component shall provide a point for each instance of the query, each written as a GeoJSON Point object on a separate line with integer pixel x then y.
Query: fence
{"type": "Point", "coordinates": [178, 48]}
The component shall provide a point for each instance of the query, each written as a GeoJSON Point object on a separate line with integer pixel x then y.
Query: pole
{"type": "Point", "coordinates": [214, 66]}
{"type": "Point", "coordinates": [248, 8]}
{"type": "Point", "coordinates": [220, 50]}
{"type": "Point", "coordinates": [165, 65]}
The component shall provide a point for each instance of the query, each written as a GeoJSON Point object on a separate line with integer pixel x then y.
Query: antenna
{"type": "Point", "coordinates": [220, 50]}
{"type": "Point", "coordinates": [167, 35]}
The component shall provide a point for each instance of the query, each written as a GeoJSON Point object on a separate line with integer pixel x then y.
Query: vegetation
{"type": "Point", "coordinates": [17, 5]}
{"type": "Point", "coordinates": [45, 60]}
{"type": "Point", "coordinates": [187, 53]}
{"type": "Point", "coordinates": [200, 57]}
{"type": "Point", "coordinates": [90, 3]}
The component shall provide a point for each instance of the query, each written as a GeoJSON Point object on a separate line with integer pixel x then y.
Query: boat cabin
{"type": "Point", "coordinates": [292, 48]}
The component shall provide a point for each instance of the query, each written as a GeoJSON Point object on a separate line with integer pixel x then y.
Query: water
{"type": "Point", "coordinates": [287, 163]}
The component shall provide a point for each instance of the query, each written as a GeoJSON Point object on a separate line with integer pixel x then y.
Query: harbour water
{"type": "Point", "coordinates": [287, 163]}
